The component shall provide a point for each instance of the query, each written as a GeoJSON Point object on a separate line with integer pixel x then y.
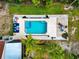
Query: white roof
{"type": "Point", "coordinates": [12, 51]}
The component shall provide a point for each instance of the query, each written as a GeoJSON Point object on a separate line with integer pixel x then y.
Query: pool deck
{"type": "Point", "coordinates": [52, 29]}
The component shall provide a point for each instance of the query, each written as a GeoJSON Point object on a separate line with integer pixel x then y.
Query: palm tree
{"type": "Point", "coordinates": [42, 51]}
{"type": "Point", "coordinates": [30, 45]}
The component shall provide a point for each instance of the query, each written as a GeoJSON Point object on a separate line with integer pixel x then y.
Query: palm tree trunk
{"type": "Point", "coordinates": [28, 2]}
{"type": "Point", "coordinates": [42, 3]}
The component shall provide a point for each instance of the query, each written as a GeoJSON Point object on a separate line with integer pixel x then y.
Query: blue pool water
{"type": "Point", "coordinates": [35, 27]}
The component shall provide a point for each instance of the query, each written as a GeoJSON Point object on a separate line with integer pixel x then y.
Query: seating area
{"type": "Point", "coordinates": [16, 27]}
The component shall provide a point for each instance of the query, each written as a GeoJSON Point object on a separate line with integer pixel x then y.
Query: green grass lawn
{"type": "Point", "coordinates": [77, 31]}
{"type": "Point", "coordinates": [74, 23]}
{"type": "Point", "coordinates": [75, 12]}
{"type": "Point", "coordinates": [23, 9]}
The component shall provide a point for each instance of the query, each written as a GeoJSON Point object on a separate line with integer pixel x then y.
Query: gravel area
{"type": "Point", "coordinates": [5, 20]}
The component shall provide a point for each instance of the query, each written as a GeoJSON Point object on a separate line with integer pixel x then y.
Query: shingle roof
{"type": "Point", "coordinates": [1, 48]}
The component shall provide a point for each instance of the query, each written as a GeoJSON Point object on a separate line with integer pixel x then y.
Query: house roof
{"type": "Point", "coordinates": [13, 51]}
{"type": "Point", "coordinates": [1, 48]}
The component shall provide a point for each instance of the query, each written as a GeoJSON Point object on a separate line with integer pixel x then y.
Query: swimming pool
{"type": "Point", "coordinates": [35, 27]}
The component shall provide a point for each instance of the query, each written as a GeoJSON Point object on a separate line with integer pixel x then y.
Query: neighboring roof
{"type": "Point", "coordinates": [1, 48]}
{"type": "Point", "coordinates": [13, 51]}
